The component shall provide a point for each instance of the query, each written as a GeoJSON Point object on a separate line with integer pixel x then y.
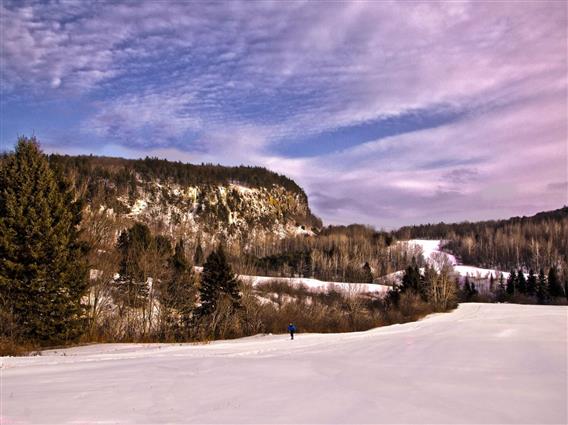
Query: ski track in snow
{"type": "Point", "coordinates": [483, 363]}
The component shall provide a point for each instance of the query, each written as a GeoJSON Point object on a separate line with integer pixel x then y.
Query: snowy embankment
{"type": "Point", "coordinates": [317, 285]}
{"type": "Point", "coordinates": [483, 363]}
{"type": "Point", "coordinates": [312, 284]}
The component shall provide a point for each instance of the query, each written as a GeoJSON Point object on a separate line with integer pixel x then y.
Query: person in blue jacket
{"type": "Point", "coordinates": [291, 329]}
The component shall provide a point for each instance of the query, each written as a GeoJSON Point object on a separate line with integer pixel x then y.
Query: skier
{"type": "Point", "coordinates": [291, 329]}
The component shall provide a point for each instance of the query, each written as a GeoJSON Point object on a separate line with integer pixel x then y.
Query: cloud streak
{"type": "Point", "coordinates": [253, 82]}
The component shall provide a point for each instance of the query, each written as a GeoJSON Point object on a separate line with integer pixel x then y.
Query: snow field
{"type": "Point", "coordinates": [483, 363]}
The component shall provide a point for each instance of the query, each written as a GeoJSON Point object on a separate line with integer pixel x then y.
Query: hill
{"type": "Point", "coordinates": [207, 201]}
{"type": "Point", "coordinates": [538, 241]}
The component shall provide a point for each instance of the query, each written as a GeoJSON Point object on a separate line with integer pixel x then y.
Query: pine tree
{"type": "Point", "coordinates": [554, 286]}
{"type": "Point", "coordinates": [367, 274]}
{"type": "Point", "coordinates": [42, 267]}
{"type": "Point", "coordinates": [521, 282]}
{"type": "Point", "coordinates": [474, 290]}
{"type": "Point", "coordinates": [411, 280]}
{"type": "Point", "coordinates": [542, 288]}
{"type": "Point", "coordinates": [134, 245]}
{"type": "Point", "coordinates": [501, 293]}
{"type": "Point", "coordinates": [531, 283]}
{"type": "Point", "coordinates": [178, 291]}
{"type": "Point", "coordinates": [466, 289]}
{"type": "Point", "coordinates": [491, 283]}
{"type": "Point", "coordinates": [511, 283]}
{"type": "Point", "coordinates": [217, 279]}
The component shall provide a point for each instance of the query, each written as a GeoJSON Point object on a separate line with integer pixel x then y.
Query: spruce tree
{"type": "Point", "coordinates": [521, 282]}
{"type": "Point", "coordinates": [511, 283]}
{"type": "Point", "coordinates": [531, 283]}
{"type": "Point", "coordinates": [217, 279]}
{"type": "Point", "coordinates": [501, 294]}
{"type": "Point", "coordinates": [466, 289]}
{"type": "Point", "coordinates": [134, 245]}
{"type": "Point", "coordinates": [554, 286]}
{"type": "Point", "coordinates": [43, 274]}
{"type": "Point", "coordinates": [411, 280]}
{"type": "Point", "coordinates": [178, 291]}
{"type": "Point", "coordinates": [542, 288]}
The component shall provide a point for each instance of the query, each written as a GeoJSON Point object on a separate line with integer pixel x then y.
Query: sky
{"type": "Point", "coordinates": [386, 113]}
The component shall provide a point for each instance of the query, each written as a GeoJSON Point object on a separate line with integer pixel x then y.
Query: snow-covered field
{"type": "Point", "coordinates": [484, 363]}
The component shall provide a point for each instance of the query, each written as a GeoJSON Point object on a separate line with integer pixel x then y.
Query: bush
{"type": "Point", "coordinates": [10, 347]}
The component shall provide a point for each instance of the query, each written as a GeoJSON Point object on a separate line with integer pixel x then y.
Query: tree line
{"type": "Point", "coordinates": [533, 242]}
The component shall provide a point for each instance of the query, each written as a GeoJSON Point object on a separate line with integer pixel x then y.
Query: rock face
{"type": "Point", "coordinates": [237, 203]}
{"type": "Point", "coordinates": [214, 211]}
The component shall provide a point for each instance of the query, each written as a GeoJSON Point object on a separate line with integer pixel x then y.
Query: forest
{"type": "Point", "coordinates": [539, 241]}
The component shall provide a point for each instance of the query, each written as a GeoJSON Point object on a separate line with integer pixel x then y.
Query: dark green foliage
{"type": "Point", "coordinates": [121, 173]}
{"type": "Point", "coordinates": [512, 283]}
{"type": "Point", "coordinates": [143, 256]}
{"type": "Point", "coordinates": [554, 286]}
{"type": "Point", "coordinates": [466, 286]}
{"type": "Point", "coordinates": [521, 282]}
{"type": "Point", "coordinates": [501, 293]}
{"type": "Point", "coordinates": [178, 292]}
{"type": "Point", "coordinates": [468, 291]}
{"type": "Point", "coordinates": [531, 283]}
{"type": "Point", "coordinates": [217, 279]}
{"type": "Point", "coordinates": [42, 267]}
{"type": "Point", "coordinates": [412, 281]}
{"type": "Point", "coordinates": [541, 288]}
{"type": "Point", "coordinates": [132, 244]}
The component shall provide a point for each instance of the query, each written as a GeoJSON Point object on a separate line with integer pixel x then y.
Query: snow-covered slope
{"type": "Point", "coordinates": [317, 285]}
{"type": "Point", "coordinates": [432, 252]}
{"type": "Point", "coordinates": [484, 363]}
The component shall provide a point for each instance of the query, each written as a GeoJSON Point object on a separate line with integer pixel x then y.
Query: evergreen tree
{"type": "Point", "coordinates": [411, 280]}
{"type": "Point", "coordinates": [198, 255]}
{"type": "Point", "coordinates": [491, 283]}
{"type": "Point", "coordinates": [512, 283]}
{"type": "Point", "coordinates": [531, 283]}
{"type": "Point", "coordinates": [217, 279]}
{"type": "Point", "coordinates": [501, 280]}
{"type": "Point", "coordinates": [134, 245]}
{"type": "Point", "coordinates": [554, 286]}
{"type": "Point", "coordinates": [541, 288]}
{"type": "Point", "coordinates": [501, 293]}
{"type": "Point", "coordinates": [466, 289]}
{"type": "Point", "coordinates": [367, 274]}
{"type": "Point", "coordinates": [178, 291]}
{"type": "Point", "coordinates": [42, 267]}
{"type": "Point", "coordinates": [521, 282]}
{"type": "Point", "coordinates": [474, 290]}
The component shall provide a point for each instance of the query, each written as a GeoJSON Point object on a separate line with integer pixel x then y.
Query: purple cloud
{"type": "Point", "coordinates": [228, 83]}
